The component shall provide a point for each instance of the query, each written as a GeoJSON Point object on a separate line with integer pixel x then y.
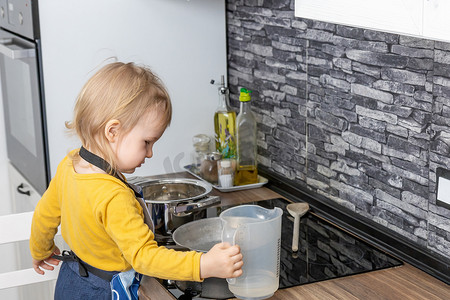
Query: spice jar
{"type": "Point", "coordinates": [201, 148]}
{"type": "Point", "coordinates": [226, 172]}
{"type": "Point", "coordinates": [208, 168]}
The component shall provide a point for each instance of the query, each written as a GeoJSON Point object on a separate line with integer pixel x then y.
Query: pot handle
{"type": "Point", "coordinates": [196, 205]}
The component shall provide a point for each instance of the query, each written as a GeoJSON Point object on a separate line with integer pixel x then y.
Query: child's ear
{"type": "Point", "coordinates": [112, 130]}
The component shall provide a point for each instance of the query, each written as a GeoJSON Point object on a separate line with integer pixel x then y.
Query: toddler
{"type": "Point", "coordinates": [119, 115]}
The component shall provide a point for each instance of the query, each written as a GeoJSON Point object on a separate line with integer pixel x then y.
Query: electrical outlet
{"type": "Point", "coordinates": [443, 187]}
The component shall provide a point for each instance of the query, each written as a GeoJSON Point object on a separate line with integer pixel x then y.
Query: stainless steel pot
{"type": "Point", "coordinates": [174, 202]}
{"type": "Point", "coordinates": [202, 235]}
{"type": "Point", "coordinates": [211, 288]}
{"type": "Point", "coordinates": [199, 235]}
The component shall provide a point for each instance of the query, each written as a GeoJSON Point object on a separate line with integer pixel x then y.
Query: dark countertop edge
{"type": "Point", "coordinates": [368, 230]}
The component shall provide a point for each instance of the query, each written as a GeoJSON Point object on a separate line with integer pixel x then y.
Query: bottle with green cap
{"type": "Point", "coordinates": [246, 167]}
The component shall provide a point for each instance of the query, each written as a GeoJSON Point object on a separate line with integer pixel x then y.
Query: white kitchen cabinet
{"type": "Point", "coordinates": [421, 18]}
{"type": "Point", "coordinates": [23, 196]}
{"type": "Point", "coordinates": [16, 256]}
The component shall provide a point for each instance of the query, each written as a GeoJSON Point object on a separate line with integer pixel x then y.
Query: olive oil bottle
{"type": "Point", "coordinates": [225, 124]}
{"type": "Point", "coordinates": [246, 168]}
{"type": "Point", "coordinates": [246, 175]}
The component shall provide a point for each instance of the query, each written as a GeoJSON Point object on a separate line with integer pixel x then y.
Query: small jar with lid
{"type": "Point", "coordinates": [201, 143]}
{"type": "Point", "coordinates": [208, 168]}
{"type": "Point", "coordinates": [226, 172]}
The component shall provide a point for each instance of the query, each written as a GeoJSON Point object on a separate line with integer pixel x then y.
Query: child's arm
{"type": "Point", "coordinates": [46, 219]}
{"type": "Point", "coordinates": [124, 223]}
{"type": "Point", "coordinates": [38, 265]}
{"type": "Point", "coordinates": [222, 261]}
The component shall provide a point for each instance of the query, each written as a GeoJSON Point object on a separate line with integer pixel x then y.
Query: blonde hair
{"type": "Point", "coordinates": [121, 91]}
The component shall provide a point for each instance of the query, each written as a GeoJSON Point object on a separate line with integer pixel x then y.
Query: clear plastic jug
{"type": "Point", "coordinates": [257, 231]}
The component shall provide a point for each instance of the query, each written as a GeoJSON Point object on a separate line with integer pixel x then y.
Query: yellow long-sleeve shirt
{"type": "Point", "coordinates": [102, 222]}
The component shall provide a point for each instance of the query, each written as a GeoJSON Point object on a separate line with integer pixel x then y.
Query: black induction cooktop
{"type": "Point", "coordinates": [325, 251]}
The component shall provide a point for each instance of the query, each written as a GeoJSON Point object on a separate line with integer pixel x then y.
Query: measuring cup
{"type": "Point", "coordinates": [257, 231]}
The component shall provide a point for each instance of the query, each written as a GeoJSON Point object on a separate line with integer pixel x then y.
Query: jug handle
{"type": "Point", "coordinates": [231, 280]}
{"type": "Point", "coordinates": [232, 242]}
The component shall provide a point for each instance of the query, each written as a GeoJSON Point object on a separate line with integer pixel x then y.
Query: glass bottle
{"type": "Point", "coordinates": [246, 168]}
{"type": "Point", "coordinates": [225, 124]}
{"type": "Point", "coordinates": [201, 144]}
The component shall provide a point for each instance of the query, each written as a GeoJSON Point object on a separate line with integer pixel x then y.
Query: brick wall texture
{"type": "Point", "coordinates": [356, 116]}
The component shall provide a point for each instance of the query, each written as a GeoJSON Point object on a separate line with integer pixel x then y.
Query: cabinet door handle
{"type": "Point", "coordinates": [21, 191]}
{"type": "Point", "coordinates": [15, 51]}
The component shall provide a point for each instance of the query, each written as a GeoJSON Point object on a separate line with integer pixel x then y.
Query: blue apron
{"type": "Point", "coordinates": [125, 285]}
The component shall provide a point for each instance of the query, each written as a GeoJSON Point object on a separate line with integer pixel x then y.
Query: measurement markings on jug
{"type": "Point", "coordinates": [278, 257]}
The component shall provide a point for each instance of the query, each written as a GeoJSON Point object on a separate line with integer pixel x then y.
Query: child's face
{"type": "Point", "coordinates": [133, 147]}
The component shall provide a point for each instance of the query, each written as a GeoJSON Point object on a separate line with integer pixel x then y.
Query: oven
{"type": "Point", "coordinates": [22, 91]}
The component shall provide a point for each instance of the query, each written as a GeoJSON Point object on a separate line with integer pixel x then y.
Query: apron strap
{"type": "Point", "coordinates": [105, 166]}
{"type": "Point", "coordinates": [83, 267]}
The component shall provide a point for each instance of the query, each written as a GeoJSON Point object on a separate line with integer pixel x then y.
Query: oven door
{"type": "Point", "coordinates": [22, 108]}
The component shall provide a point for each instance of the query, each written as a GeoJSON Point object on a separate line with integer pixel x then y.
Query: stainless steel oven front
{"type": "Point", "coordinates": [22, 94]}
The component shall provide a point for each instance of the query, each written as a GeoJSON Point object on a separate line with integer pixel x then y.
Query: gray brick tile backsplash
{"type": "Point", "coordinates": [360, 117]}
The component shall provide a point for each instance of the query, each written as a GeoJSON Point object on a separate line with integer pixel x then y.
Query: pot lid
{"type": "Point", "coordinates": [174, 190]}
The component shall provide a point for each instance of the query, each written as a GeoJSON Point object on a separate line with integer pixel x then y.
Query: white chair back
{"type": "Point", "coordinates": [16, 228]}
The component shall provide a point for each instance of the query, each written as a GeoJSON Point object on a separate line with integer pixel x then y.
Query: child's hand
{"type": "Point", "coordinates": [222, 261]}
{"type": "Point", "coordinates": [46, 263]}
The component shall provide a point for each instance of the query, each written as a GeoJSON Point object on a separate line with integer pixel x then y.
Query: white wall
{"type": "Point", "coordinates": [184, 42]}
